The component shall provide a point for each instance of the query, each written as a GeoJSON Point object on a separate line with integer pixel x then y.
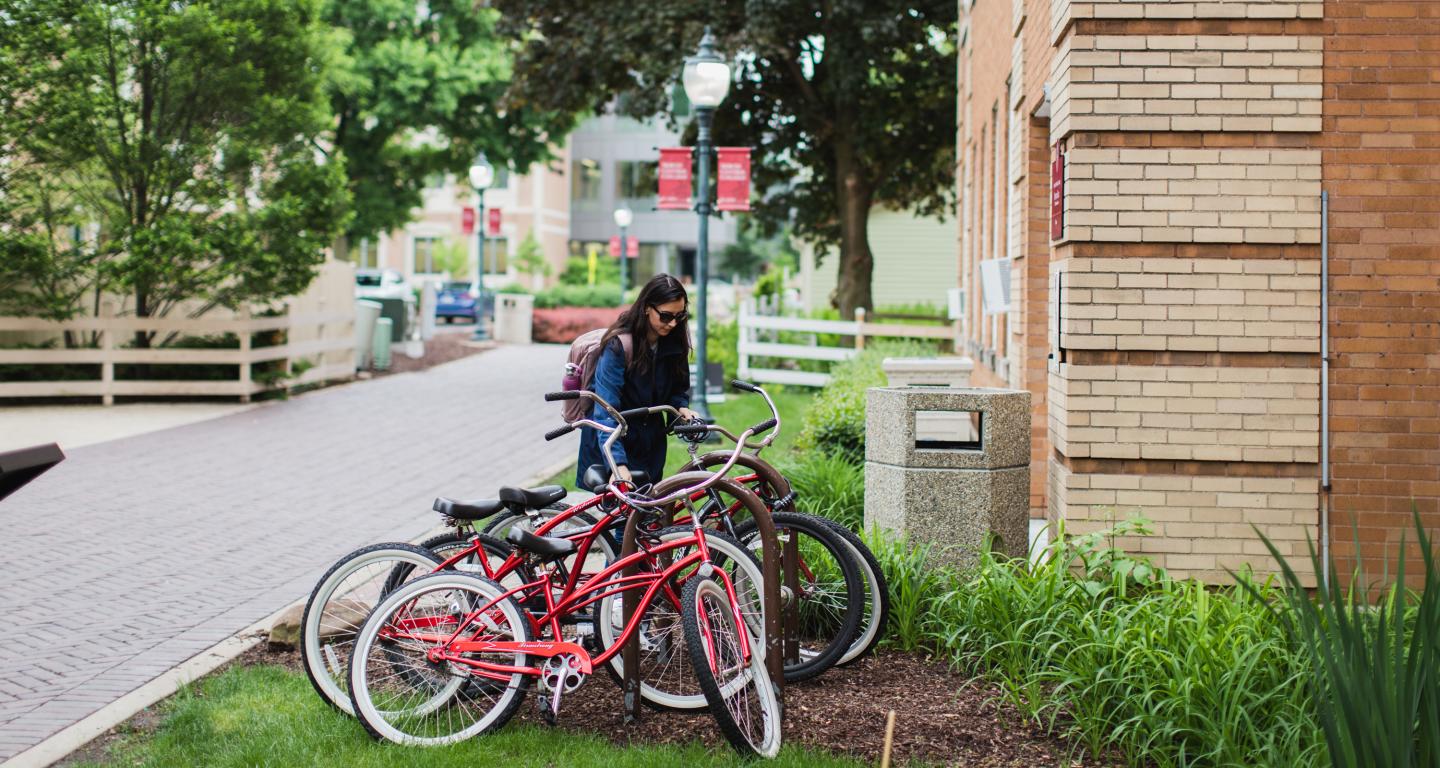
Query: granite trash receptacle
{"type": "Point", "coordinates": [955, 489]}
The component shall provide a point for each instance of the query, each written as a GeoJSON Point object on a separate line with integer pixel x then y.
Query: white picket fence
{"type": "Point", "coordinates": [319, 328]}
{"type": "Point", "coordinates": [752, 323]}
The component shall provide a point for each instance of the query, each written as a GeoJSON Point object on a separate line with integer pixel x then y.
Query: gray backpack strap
{"type": "Point", "coordinates": [627, 344]}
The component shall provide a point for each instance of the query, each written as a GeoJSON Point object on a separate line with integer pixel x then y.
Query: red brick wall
{"type": "Point", "coordinates": [1381, 160]}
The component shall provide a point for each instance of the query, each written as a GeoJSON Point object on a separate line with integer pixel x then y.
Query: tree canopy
{"type": "Point", "coordinates": [184, 130]}
{"type": "Point", "coordinates": [421, 89]}
{"type": "Point", "coordinates": [849, 103]}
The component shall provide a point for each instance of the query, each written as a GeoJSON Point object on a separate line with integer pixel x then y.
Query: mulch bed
{"type": "Point", "coordinates": [443, 347]}
{"type": "Point", "coordinates": [941, 717]}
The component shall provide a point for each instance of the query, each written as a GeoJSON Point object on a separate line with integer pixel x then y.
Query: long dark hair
{"type": "Point", "coordinates": [662, 289]}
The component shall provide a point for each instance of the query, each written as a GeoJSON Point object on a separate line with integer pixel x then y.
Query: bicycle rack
{"type": "Point", "coordinates": [20, 467]}
{"type": "Point", "coordinates": [775, 637]}
{"type": "Point", "coordinates": [781, 486]}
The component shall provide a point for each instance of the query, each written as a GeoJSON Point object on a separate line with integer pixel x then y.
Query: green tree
{"type": "Point", "coordinates": [850, 103]}
{"type": "Point", "coordinates": [530, 260]}
{"type": "Point", "coordinates": [753, 249]}
{"type": "Point", "coordinates": [454, 258]}
{"type": "Point", "coordinates": [199, 118]}
{"type": "Point", "coordinates": [421, 91]}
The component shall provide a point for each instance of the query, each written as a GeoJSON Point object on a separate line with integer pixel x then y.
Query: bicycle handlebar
{"type": "Point", "coordinates": [744, 386]}
{"type": "Point", "coordinates": [569, 394]}
{"type": "Point", "coordinates": [559, 431]}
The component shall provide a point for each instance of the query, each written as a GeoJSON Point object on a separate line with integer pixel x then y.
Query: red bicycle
{"type": "Point", "coordinates": [451, 655]}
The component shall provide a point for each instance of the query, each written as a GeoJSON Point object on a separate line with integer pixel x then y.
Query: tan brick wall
{"type": "Point", "coordinates": [1193, 195]}
{"type": "Point", "coordinates": [1190, 305]}
{"type": "Point", "coordinates": [1187, 83]}
{"type": "Point", "coordinates": [1064, 13]}
{"type": "Point", "coordinates": [1202, 524]}
{"type": "Point", "coordinates": [1185, 413]}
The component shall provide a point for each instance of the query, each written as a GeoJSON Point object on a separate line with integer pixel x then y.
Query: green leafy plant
{"type": "Point", "coordinates": [453, 258]}
{"type": "Point", "coordinates": [829, 484]}
{"type": "Point", "coordinates": [530, 260]}
{"type": "Point", "coordinates": [1162, 671]}
{"type": "Point", "coordinates": [1374, 668]}
{"type": "Point", "coordinates": [836, 422]}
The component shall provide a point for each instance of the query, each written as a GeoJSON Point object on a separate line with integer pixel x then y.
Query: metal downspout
{"type": "Point", "coordinates": [1325, 387]}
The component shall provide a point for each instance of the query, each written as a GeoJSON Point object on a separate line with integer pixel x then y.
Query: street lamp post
{"type": "Point", "coordinates": [623, 217]}
{"type": "Point", "coordinates": [707, 80]}
{"type": "Point", "coordinates": [482, 174]}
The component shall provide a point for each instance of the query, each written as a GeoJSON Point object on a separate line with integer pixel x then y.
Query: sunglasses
{"type": "Point", "coordinates": [671, 317]}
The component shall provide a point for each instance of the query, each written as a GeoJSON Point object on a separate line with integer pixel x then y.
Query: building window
{"type": "Point", "coordinates": [585, 184]}
{"type": "Point", "coordinates": [425, 255]}
{"type": "Point", "coordinates": [637, 183]}
{"type": "Point", "coordinates": [497, 255]}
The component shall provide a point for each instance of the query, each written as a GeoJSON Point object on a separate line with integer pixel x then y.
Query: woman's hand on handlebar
{"type": "Point", "coordinates": [687, 415]}
{"type": "Point", "coordinates": [622, 473]}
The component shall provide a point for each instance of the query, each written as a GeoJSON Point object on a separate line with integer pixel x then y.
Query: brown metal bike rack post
{"type": "Point", "coordinates": [779, 488]}
{"type": "Point", "coordinates": [770, 589]}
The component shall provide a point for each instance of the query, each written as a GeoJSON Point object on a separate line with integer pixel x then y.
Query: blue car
{"type": "Point", "coordinates": [456, 301]}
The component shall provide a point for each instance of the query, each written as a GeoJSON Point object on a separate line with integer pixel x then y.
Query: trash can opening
{"type": "Point", "coordinates": [948, 430]}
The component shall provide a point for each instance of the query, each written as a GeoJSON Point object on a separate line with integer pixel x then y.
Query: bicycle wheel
{"type": "Point", "coordinates": [339, 604]}
{"type": "Point", "coordinates": [406, 688]}
{"type": "Point", "coordinates": [832, 593]}
{"type": "Point", "coordinates": [877, 601]}
{"type": "Point", "coordinates": [666, 679]}
{"type": "Point", "coordinates": [739, 692]}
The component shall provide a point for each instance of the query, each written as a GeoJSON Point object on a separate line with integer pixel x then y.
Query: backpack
{"type": "Point", "coordinates": [580, 370]}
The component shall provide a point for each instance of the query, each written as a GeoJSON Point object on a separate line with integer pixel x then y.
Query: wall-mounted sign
{"type": "Point", "coordinates": [467, 220]}
{"type": "Point", "coordinates": [492, 219]}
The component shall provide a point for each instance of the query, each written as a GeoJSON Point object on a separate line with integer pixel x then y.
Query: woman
{"type": "Point", "coordinates": [658, 373]}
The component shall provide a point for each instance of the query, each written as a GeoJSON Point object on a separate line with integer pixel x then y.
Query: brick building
{"type": "Point", "coordinates": [1169, 325]}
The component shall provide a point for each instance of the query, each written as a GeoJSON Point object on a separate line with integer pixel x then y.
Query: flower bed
{"type": "Point", "coordinates": [563, 324]}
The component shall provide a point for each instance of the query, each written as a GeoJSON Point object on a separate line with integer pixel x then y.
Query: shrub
{"type": "Point", "coordinates": [577, 271]}
{"type": "Point", "coordinates": [599, 295]}
{"type": "Point", "coordinates": [836, 421]}
{"type": "Point", "coordinates": [564, 325]}
{"type": "Point", "coordinates": [1167, 672]}
{"type": "Point", "coordinates": [721, 346]}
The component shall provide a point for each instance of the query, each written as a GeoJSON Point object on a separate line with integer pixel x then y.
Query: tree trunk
{"type": "Point", "coordinates": [852, 285]}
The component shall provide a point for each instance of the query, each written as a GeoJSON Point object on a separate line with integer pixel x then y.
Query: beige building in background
{"type": "Point", "coordinates": [916, 262]}
{"type": "Point", "coordinates": [536, 202]}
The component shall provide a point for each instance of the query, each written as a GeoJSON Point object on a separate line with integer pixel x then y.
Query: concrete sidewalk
{"type": "Point", "coordinates": [76, 426]}
{"type": "Point", "coordinates": [135, 555]}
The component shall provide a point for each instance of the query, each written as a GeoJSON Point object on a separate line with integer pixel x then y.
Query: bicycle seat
{"type": "Point", "coordinates": [597, 477]}
{"type": "Point", "coordinates": [545, 546]}
{"type": "Point", "coordinates": [468, 510]}
{"type": "Point", "coordinates": [532, 498]}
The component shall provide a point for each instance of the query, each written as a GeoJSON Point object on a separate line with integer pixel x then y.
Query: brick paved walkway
{"type": "Point", "coordinates": [134, 555]}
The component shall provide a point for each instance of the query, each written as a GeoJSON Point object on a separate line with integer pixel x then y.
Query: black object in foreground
{"type": "Point", "coordinates": [20, 467]}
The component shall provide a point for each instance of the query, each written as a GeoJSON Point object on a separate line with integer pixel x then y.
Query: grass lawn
{"type": "Point", "coordinates": [268, 715]}
{"type": "Point", "coordinates": [740, 410]}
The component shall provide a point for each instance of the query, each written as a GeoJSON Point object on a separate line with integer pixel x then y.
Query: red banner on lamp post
{"type": "Point", "coordinates": [492, 220]}
{"type": "Point", "coordinates": [632, 247]}
{"type": "Point", "coordinates": [675, 186]}
{"type": "Point", "coordinates": [732, 181]}
{"type": "Point", "coordinates": [467, 220]}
